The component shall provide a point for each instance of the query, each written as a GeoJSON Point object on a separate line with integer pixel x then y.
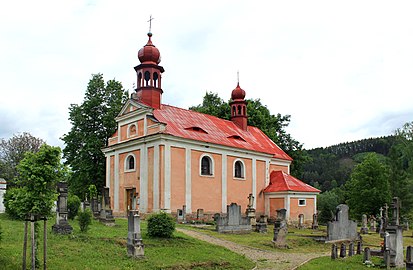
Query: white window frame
{"type": "Point", "coordinates": [212, 166]}
{"type": "Point", "coordinates": [305, 202]}
{"type": "Point", "coordinates": [129, 128]}
{"type": "Point", "coordinates": [242, 169]}
{"type": "Point", "coordinates": [126, 163]}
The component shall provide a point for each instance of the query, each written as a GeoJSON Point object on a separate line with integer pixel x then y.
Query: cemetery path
{"type": "Point", "coordinates": [264, 259]}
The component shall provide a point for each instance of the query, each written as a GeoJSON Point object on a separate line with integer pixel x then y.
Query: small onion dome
{"type": "Point", "coordinates": [238, 93]}
{"type": "Point", "coordinates": [149, 53]}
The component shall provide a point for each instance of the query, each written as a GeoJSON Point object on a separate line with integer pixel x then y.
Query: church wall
{"type": "Point", "coordinates": [206, 190]}
{"type": "Point", "coordinates": [128, 179]}
{"type": "Point", "coordinates": [177, 178]}
{"type": "Point", "coordinates": [275, 204]}
{"type": "Point", "coordinates": [141, 128]}
{"type": "Point", "coordinates": [274, 167]}
{"type": "Point", "coordinates": [123, 132]}
{"type": "Point", "coordinates": [150, 178]}
{"type": "Point", "coordinates": [239, 189]}
{"type": "Point", "coordinates": [307, 210]}
{"type": "Point", "coordinates": [260, 185]}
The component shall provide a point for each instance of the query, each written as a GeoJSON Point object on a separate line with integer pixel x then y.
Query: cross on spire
{"type": "Point", "coordinates": [150, 23]}
{"type": "Point", "coordinates": [238, 77]}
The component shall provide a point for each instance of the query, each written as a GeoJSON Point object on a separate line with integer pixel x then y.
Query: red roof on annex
{"type": "Point", "coordinates": [207, 128]}
{"type": "Point", "coordinates": [281, 181]}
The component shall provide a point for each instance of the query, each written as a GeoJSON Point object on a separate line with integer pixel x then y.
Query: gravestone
{"type": "Point", "coordinates": [364, 229]}
{"type": "Point", "coordinates": [233, 222]}
{"type": "Point", "coordinates": [106, 214]}
{"type": "Point", "coordinates": [343, 250]}
{"type": "Point", "coordinates": [183, 213]}
{"type": "Point", "coordinates": [250, 212]}
{"type": "Point", "coordinates": [341, 228]}
{"type": "Point", "coordinates": [134, 243]}
{"type": "Point", "coordinates": [372, 222]}
{"type": "Point", "coordinates": [351, 249]}
{"type": "Point", "coordinates": [62, 226]}
{"type": "Point", "coordinates": [314, 224]}
{"type": "Point", "coordinates": [406, 224]}
{"type": "Point", "coordinates": [367, 256]}
{"type": "Point", "coordinates": [409, 258]}
{"type": "Point", "coordinates": [359, 247]}
{"type": "Point", "coordinates": [261, 225]}
{"type": "Point", "coordinates": [179, 215]}
{"type": "Point", "coordinates": [280, 229]}
{"type": "Point", "coordinates": [393, 238]}
{"type": "Point", "coordinates": [300, 221]}
{"type": "Point", "coordinates": [334, 254]}
{"type": "Point", "coordinates": [200, 214]}
{"type": "Point", "coordinates": [95, 207]}
{"type": "Point", "coordinates": [384, 220]}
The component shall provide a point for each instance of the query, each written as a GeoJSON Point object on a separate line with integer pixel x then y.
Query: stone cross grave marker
{"type": "Point", "coordinates": [62, 225]}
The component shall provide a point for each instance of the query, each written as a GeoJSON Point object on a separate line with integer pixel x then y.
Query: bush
{"type": "Point", "coordinates": [161, 225]}
{"type": "Point", "coordinates": [85, 219]}
{"type": "Point", "coordinates": [73, 205]}
{"type": "Point", "coordinates": [14, 209]}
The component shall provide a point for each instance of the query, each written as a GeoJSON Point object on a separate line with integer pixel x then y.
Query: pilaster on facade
{"type": "Point", "coordinates": [116, 183]}
{"type": "Point", "coordinates": [167, 192]}
{"type": "Point", "coordinates": [107, 180]}
{"type": "Point", "coordinates": [254, 181]}
{"type": "Point", "coordinates": [267, 172]}
{"type": "Point", "coordinates": [156, 178]}
{"type": "Point", "coordinates": [287, 206]}
{"type": "Point", "coordinates": [143, 183]}
{"type": "Point", "coordinates": [188, 180]}
{"type": "Point", "coordinates": [224, 184]}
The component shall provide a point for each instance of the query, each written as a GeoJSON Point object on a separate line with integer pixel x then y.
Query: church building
{"type": "Point", "coordinates": [173, 157]}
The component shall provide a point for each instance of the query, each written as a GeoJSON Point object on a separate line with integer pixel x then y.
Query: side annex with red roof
{"type": "Point", "coordinates": [173, 157]}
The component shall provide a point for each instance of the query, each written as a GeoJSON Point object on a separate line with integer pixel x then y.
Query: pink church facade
{"type": "Point", "coordinates": [173, 157]}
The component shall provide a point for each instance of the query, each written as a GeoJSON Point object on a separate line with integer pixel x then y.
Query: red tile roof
{"type": "Point", "coordinates": [206, 128]}
{"type": "Point", "coordinates": [281, 181]}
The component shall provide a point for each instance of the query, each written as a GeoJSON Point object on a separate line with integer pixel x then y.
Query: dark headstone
{"type": "Point", "coordinates": [342, 250]}
{"type": "Point", "coordinates": [409, 258]}
{"type": "Point", "coordinates": [314, 225]}
{"type": "Point", "coordinates": [261, 225]}
{"type": "Point", "coordinates": [387, 259]}
{"type": "Point", "coordinates": [359, 247]}
{"type": "Point", "coordinates": [367, 255]}
{"type": "Point", "coordinates": [351, 249]}
{"type": "Point", "coordinates": [106, 214]}
{"type": "Point", "coordinates": [62, 225]}
{"type": "Point", "coordinates": [334, 254]}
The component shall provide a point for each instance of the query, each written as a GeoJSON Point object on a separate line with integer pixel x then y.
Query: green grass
{"type": "Point", "coordinates": [104, 247]}
{"type": "Point", "coordinates": [349, 263]}
{"type": "Point", "coordinates": [298, 240]}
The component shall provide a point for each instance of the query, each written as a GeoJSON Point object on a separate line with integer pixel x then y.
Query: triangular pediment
{"type": "Point", "coordinates": [132, 108]}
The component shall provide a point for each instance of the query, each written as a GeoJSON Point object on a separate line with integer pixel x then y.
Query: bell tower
{"type": "Point", "coordinates": [239, 108]}
{"type": "Point", "coordinates": [149, 87]}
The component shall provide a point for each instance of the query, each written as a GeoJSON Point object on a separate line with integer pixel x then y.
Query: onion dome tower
{"type": "Point", "coordinates": [149, 89]}
{"type": "Point", "coordinates": [239, 108]}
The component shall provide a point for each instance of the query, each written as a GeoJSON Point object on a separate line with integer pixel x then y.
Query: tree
{"type": "Point", "coordinates": [401, 164]}
{"type": "Point", "coordinates": [327, 203]}
{"type": "Point", "coordinates": [93, 122]}
{"type": "Point", "coordinates": [38, 174]}
{"type": "Point", "coordinates": [368, 188]}
{"type": "Point", "coordinates": [12, 152]}
{"type": "Point", "coordinates": [259, 116]}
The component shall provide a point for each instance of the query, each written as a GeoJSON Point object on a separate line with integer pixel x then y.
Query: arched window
{"type": "Point", "coordinates": [239, 109]}
{"type": "Point", "coordinates": [239, 169]}
{"type": "Point", "coordinates": [130, 163]}
{"type": "Point", "coordinates": [147, 78]}
{"type": "Point", "coordinates": [140, 79]}
{"type": "Point", "coordinates": [155, 79]}
{"type": "Point", "coordinates": [243, 111]}
{"type": "Point", "coordinates": [207, 165]}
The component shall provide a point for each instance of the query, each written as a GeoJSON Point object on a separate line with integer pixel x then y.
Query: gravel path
{"type": "Point", "coordinates": [263, 258]}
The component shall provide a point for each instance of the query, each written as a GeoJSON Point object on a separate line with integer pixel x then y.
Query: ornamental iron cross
{"type": "Point", "coordinates": [150, 23]}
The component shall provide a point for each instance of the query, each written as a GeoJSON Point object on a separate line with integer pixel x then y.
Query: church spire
{"type": "Point", "coordinates": [148, 90]}
{"type": "Point", "coordinates": [239, 107]}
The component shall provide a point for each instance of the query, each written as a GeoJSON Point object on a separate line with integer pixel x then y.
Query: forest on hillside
{"type": "Point", "coordinates": [329, 167]}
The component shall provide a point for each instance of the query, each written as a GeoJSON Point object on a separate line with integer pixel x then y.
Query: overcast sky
{"type": "Point", "coordinates": [343, 70]}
